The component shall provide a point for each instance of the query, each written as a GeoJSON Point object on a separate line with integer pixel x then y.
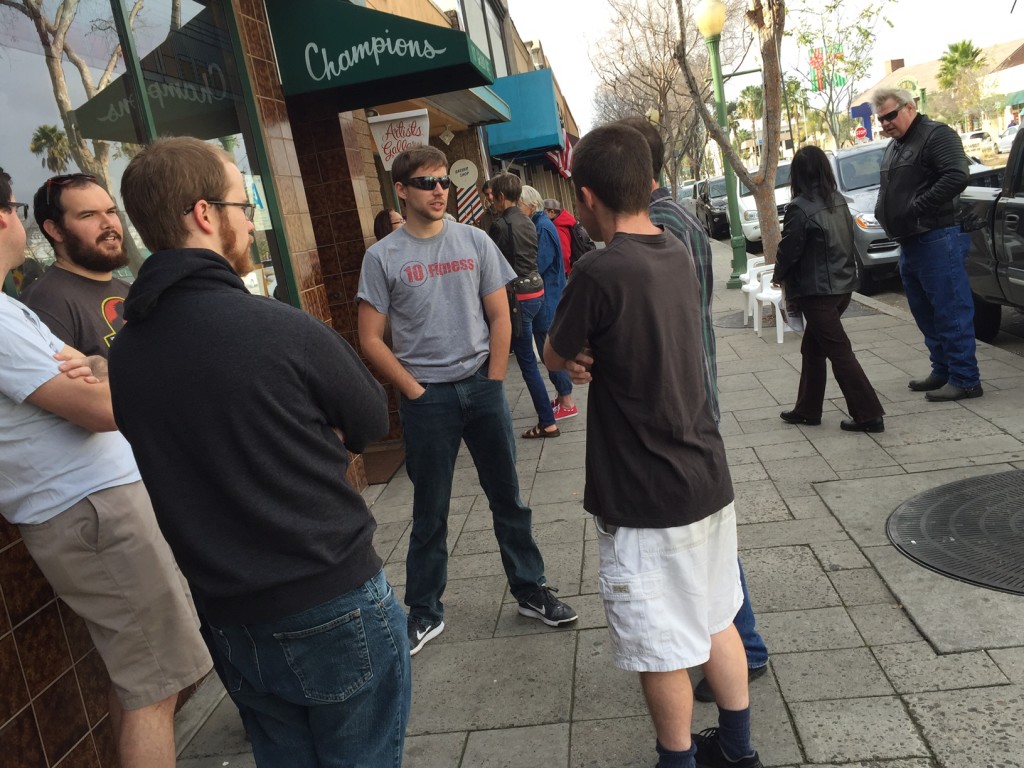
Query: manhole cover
{"type": "Point", "coordinates": [735, 319]}
{"type": "Point", "coordinates": [971, 530]}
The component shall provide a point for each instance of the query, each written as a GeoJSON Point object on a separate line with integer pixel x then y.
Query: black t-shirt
{"type": "Point", "coordinates": [655, 458]}
{"type": "Point", "coordinates": [85, 313]}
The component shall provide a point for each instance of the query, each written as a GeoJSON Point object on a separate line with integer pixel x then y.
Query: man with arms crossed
{"type": "Point", "coordinates": [658, 482]}
{"type": "Point", "coordinates": [443, 286]}
{"type": "Point", "coordinates": [78, 297]}
{"type": "Point", "coordinates": [72, 488]}
{"type": "Point", "coordinates": [924, 170]}
{"type": "Point", "coordinates": [239, 409]}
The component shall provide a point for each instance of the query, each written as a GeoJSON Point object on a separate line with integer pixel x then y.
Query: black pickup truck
{"type": "Point", "coordinates": [995, 262]}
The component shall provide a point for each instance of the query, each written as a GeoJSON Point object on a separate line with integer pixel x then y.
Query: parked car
{"type": "Point", "coordinates": [994, 218]}
{"type": "Point", "coordinates": [858, 176]}
{"type": "Point", "coordinates": [1005, 140]}
{"type": "Point", "coordinates": [748, 208]}
{"type": "Point", "coordinates": [977, 141]}
{"type": "Point", "coordinates": [687, 195]}
{"type": "Point", "coordinates": [711, 207]}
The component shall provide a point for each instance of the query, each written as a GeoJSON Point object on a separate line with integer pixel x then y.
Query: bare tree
{"type": "Point", "coordinates": [840, 39]}
{"type": "Point", "coordinates": [640, 76]}
{"type": "Point", "coordinates": [767, 20]}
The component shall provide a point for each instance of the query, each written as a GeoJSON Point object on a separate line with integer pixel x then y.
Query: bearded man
{"type": "Point", "coordinates": [79, 298]}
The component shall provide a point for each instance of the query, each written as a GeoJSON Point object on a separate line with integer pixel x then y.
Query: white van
{"type": "Point", "coordinates": [748, 208]}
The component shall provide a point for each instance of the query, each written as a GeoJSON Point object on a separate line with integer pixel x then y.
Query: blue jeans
{"type": "Point", "coordinates": [522, 345]}
{"type": "Point", "coordinates": [330, 686]}
{"type": "Point", "coordinates": [541, 326]}
{"type": "Point", "coordinates": [475, 410]}
{"type": "Point", "coordinates": [939, 295]}
{"type": "Point", "coordinates": [753, 643]}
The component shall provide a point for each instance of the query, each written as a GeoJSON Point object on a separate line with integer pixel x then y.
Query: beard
{"type": "Point", "coordinates": [235, 251]}
{"type": "Point", "coordinates": [91, 256]}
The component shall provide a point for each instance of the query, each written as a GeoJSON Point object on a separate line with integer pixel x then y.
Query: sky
{"type": "Point", "coordinates": [920, 32]}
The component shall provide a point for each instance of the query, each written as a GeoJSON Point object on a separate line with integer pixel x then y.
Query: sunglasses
{"type": "Point", "coordinates": [427, 183]}
{"type": "Point", "coordinates": [16, 207]}
{"type": "Point", "coordinates": [64, 180]}
{"type": "Point", "coordinates": [248, 209]}
{"type": "Point", "coordinates": [888, 117]}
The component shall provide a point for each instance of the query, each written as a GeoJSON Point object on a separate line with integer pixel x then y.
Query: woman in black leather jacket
{"type": "Point", "coordinates": [817, 265]}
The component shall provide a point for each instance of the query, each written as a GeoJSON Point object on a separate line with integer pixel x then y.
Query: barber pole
{"type": "Point", "coordinates": [470, 206]}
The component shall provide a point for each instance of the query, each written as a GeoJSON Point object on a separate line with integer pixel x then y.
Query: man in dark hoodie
{"type": "Point", "coordinates": [239, 410]}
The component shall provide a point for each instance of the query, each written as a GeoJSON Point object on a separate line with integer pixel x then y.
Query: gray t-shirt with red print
{"type": "Point", "coordinates": [432, 291]}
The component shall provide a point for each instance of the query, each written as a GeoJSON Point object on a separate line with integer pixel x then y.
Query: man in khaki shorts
{"type": "Point", "coordinates": [69, 482]}
{"type": "Point", "coordinates": [658, 482]}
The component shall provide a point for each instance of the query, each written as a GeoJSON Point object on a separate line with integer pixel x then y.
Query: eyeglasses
{"type": "Point", "coordinates": [23, 207]}
{"type": "Point", "coordinates": [64, 180]}
{"type": "Point", "coordinates": [427, 183]}
{"type": "Point", "coordinates": [248, 209]}
{"type": "Point", "coordinates": [888, 117]}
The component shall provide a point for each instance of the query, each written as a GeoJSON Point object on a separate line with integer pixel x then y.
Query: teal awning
{"type": "Point", "coordinates": [367, 57]}
{"type": "Point", "coordinates": [535, 125]}
{"type": "Point", "coordinates": [1015, 98]}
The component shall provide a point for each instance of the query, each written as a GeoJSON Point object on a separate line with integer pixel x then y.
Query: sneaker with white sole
{"type": "Point", "coordinates": [710, 755]}
{"type": "Point", "coordinates": [420, 632]}
{"type": "Point", "coordinates": [561, 412]}
{"type": "Point", "coordinates": [543, 605]}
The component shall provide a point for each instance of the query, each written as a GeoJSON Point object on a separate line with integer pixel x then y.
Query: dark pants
{"type": "Point", "coordinates": [939, 294]}
{"type": "Point", "coordinates": [474, 410]}
{"type": "Point", "coordinates": [522, 346]}
{"type": "Point", "coordinates": [825, 339]}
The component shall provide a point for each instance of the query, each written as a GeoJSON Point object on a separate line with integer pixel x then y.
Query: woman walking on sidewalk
{"type": "Point", "coordinates": [817, 265]}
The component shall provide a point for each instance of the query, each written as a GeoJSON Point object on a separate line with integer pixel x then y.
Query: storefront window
{"type": "Point", "coordinates": [40, 89]}
{"type": "Point", "coordinates": [484, 26]}
{"type": "Point", "coordinates": [494, 28]}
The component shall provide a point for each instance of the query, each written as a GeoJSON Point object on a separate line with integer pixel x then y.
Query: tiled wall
{"type": "Point", "coordinates": [323, 231]}
{"type": "Point", "coordinates": [53, 685]}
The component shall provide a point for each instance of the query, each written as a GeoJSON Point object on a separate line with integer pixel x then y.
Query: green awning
{"type": "Point", "coordinates": [1015, 98]}
{"type": "Point", "coordinates": [368, 57]}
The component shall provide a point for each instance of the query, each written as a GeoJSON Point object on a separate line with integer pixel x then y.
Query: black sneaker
{"type": "Point", "coordinates": [545, 606]}
{"type": "Point", "coordinates": [709, 753]}
{"type": "Point", "coordinates": [703, 690]}
{"type": "Point", "coordinates": [420, 632]}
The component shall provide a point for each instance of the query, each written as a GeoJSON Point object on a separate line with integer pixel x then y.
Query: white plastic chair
{"type": "Point", "coordinates": [771, 295]}
{"type": "Point", "coordinates": [753, 285]}
{"type": "Point", "coordinates": [752, 261]}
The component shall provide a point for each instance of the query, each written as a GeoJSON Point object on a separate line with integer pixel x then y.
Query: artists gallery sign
{"type": "Point", "coordinates": [396, 133]}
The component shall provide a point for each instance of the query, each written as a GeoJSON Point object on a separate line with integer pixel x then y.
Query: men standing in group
{"type": "Point", "coordinates": [442, 285]}
{"type": "Point", "coordinates": [241, 411]}
{"type": "Point", "coordinates": [79, 504]}
{"type": "Point", "coordinates": [666, 213]}
{"type": "Point", "coordinates": [78, 297]}
{"type": "Point", "coordinates": [924, 170]}
{"type": "Point", "coordinates": [658, 481]}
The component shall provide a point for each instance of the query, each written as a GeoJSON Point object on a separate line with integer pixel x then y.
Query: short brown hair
{"type": "Point", "coordinates": [508, 185]}
{"type": "Point", "coordinates": [164, 179]}
{"type": "Point", "coordinates": [424, 156]}
{"type": "Point", "coordinates": [653, 139]}
{"type": "Point", "coordinates": [614, 162]}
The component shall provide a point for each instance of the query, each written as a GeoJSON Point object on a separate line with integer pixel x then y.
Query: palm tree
{"type": "Point", "coordinates": [796, 99]}
{"type": "Point", "coordinates": [960, 71]}
{"type": "Point", "coordinates": [751, 106]}
{"type": "Point", "coordinates": [51, 144]}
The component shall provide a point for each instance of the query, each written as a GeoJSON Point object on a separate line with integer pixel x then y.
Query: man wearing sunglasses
{"type": "Point", "coordinates": [241, 411]}
{"type": "Point", "coordinates": [79, 298]}
{"type": "Point", "coordinates": [85, 518]}
{"type": "Point", "coordinates": [924, 170]}
{"type": "Point", "coordinates": [442, 285]}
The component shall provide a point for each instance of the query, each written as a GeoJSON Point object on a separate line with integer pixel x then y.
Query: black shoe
{"type": "Point", "coordinates": [792, 417]}
{"type": "Point", "coordinates": [872, 425]}
{"type": "Point", "coordinates": [926, 385]}
{"type": "Point", "coordinates": [543, 605]}
{"type": "Point", "coordinates": [710, 755]}
{"type": "Point", "coordinates": [950, 392]}
{"type": "Point", "coordinates": [420, 632]}
{"type": "Point", "coordinates": [703, 690]}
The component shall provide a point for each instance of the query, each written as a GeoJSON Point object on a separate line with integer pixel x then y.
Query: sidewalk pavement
{"type": "Point", "coordinates": [875, 661]}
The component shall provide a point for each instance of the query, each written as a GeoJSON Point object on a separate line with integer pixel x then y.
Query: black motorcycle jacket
{"type": "Point", "coordinates": [516, 237]}
{"type": "Point", "coordinates": [816, 256]}
{"type": "Point", "coordinates": [923, 174]}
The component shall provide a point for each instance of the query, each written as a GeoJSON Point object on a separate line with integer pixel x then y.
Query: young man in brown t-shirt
{"type": "Point", "coordinates": [658, 482]}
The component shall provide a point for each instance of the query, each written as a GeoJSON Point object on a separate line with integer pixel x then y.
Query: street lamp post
{"type": "Point", "coordinates": [710, 17]}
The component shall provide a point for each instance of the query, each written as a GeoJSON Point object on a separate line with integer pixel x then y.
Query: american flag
{"type": "Point", "coordinates": [562, 158]}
